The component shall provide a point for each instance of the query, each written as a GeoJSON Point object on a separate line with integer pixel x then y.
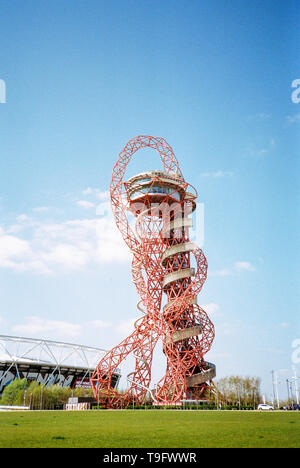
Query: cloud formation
{"type": "Point", "coordinates": [38, 326]}
{"type": "Point", "coordinates": [244, 266]}
{"type": "Point", "coordinates": [85, 204]}
{"type": "Point", "coordinates": [47, 247]}
{"type": "Point", "coordinates": [217, 174]}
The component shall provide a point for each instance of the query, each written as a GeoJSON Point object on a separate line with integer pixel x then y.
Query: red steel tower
{"type": "Point", "coordinates": [166, 266]}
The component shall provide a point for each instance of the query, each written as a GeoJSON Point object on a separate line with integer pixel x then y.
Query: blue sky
{"type": "Point", "coordinates": [212, 78]}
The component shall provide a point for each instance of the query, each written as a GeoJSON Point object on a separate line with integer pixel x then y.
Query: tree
{"type": "Point", "coordinates": [13, 393]}
{"type": "Point", "coordinates": [237, 391]}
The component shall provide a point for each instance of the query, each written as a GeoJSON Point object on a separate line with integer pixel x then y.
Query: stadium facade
{"type": "Point", "coordinates": [48, 362]}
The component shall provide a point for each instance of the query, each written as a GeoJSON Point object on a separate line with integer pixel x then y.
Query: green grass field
{"type": "Point", "coordinates": [149, 429]}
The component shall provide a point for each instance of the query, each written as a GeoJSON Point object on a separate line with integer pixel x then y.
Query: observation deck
{"type": "Point", "coordinates": [157, 187]}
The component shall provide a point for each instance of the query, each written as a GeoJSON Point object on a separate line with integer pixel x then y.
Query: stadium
{"type": "Point", "coordinates": [48, 362]}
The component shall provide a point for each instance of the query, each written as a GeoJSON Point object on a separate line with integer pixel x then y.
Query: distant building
{"type": "Point", "coordinates": [80, 403]}
{"type": "Point", "coordinates": [48, 362]}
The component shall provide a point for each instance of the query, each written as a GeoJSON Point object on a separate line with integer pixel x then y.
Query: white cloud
{"type": "Point", "coordinates": [258, 152]}
{"type": "Point", "coordinates": [66, 255]}
{"type": "Point", "coordinates": [22, 217]}
{"type": "Point", "coordinates": [217, 174]}
{"type": "Point", "coordinates": [260, 116]}
{"type": "Point", "coordinates": [41, 209]}
{"type": "Point", "coordinates": [99, 324]}
{"type": "Point", "coordinates": [87, 191]}
{"type": "Point", "coordinates": [222, 272]}
{"type": "Point", "coordinates": [11, 248]}
{"type": "Point", "coordinates": [284, 324]}
{"type": "Point", "coordinates": [68, 245]}
{"type": "Point", "coordinates": [227, 328]}
{"type": "Point", "coordinates": [85, 204]}
{"type": "Point", "coordinates": [291, 119]}
{"type": "Point", "coordinates": [237, 266]}
{"type": "Point", "coordinates": [244, 266]}
{"type": "Point", "coordinates": [51, 247]}
{"type": "Point", "coordinates": [39, 326]}
{"type": "Point", "coordinates": [99, 194]}
{"type": "Point", "coordinates": [218, 356]}
{"type": "Point", "coordinates": [102, 196]}
{"type": "Point", "coordinates": [263, 116]}
{"type": "Point", "coordinates": [211, 308]}
{"type": "Point", "coordinates": [126, 327]}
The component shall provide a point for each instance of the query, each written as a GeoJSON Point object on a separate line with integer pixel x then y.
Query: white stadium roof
{"type": "Point", "coordinates": [51, 361]}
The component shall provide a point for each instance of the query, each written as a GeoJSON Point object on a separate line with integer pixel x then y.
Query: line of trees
{"type": "Point", "coordinates": [236, 391]}
{"type": "Point", "coordinates": [20, 392]}
{"type": "Point", "coordinates": [233, 391]}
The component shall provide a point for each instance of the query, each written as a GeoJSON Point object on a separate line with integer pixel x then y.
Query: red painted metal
{"type": "Point", "coordinates": [162, 203]}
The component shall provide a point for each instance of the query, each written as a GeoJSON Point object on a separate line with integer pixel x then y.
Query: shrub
{"type": "Point", "coordinates": [13, 394]}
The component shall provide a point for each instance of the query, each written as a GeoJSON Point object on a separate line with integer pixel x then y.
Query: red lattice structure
{"type": "Point", "coordinates": [161, 203]}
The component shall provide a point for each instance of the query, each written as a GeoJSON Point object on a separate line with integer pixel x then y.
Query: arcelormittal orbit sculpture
{"type": "Point", "coordinates": [165, 265]}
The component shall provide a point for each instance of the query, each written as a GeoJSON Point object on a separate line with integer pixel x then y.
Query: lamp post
{"type": "Point", "coordinates": [296, 378]}
{"type": "Point", "coordinates": [275, 388]}
{"type": "Point", "coordinates": [288, 390]}
{"type": "Point", "coordinates": [42, 390]}
{"type": "Point", "coordinates": [217, 396]}
{"type": "Point", "coordinates": [254, 399]}
{"type": "Point", "coordinates": [291, 391]}
{"type": "Point", "coordinates": [239, 395]}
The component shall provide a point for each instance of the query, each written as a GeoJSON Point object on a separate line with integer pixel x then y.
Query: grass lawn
{"type": "Point", "coordinates": [149, 429]}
